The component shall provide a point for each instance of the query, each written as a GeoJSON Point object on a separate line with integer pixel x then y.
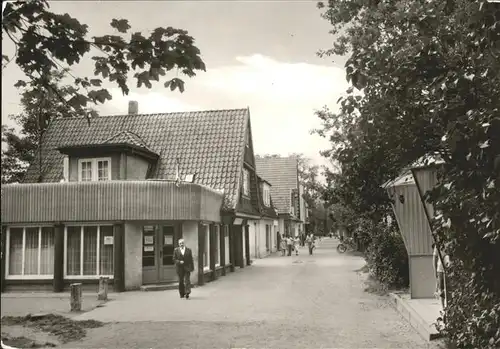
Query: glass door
{"type": "Point", "coordinates": [168, 240]}
{"type": "Point", "coordinates": [149, 255]}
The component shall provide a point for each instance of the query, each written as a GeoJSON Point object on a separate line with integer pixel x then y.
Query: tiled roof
{"type": "Point", "coordinates": [127, 137]}
{"type": "Point", "coordinates": [208, 143]}
{"type": "Point", "coordinates": [282, 173]}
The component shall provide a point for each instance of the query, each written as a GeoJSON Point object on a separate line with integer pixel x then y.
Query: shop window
{"type": "Point", "coordinates": [206, 250]}
{"type": "Point", "coordinates": [217, 245]}
{"type": "Point", "coordinates": [226, 243]}
{"type": "Point", "coordinates": [30, 252]}
{"type": "Point", "coordinates": [89, 251]}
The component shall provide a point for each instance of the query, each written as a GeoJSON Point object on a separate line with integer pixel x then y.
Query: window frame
{"type": "Point", "coordinates": [246, 182]}
{"type": "Point", "coordinates": [206, 249]}
{"type": "Point", "coordinates": [94, 168]}
{"type": "Point", "coordinates": [98, 252]}
{"type": "Point", "coordinates": [7, 253]}
{"type": "Point", "coordinates": [217, 245]}
{"type": "Point", "coordinates": [266, 191]}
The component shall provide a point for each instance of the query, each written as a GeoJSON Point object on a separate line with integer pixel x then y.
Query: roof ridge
{"type": "Point", "coordinates": [152, 114]}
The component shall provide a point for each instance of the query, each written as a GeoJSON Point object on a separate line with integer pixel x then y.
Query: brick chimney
{"type": "Point", "coordinates": [133, 107]}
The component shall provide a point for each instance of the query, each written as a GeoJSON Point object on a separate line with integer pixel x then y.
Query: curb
{"type": "Point", "coordinates": [426, 331]}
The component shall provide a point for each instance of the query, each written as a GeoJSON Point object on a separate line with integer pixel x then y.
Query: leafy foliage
{"type": "Point", "coordinates": [386, 256]}
{"type": "Point", "coordinates": [40, 106]}
{"type": "Point", "coordinates": [46, 41]}
{"type": "Point", "coordinates": [428, 80]}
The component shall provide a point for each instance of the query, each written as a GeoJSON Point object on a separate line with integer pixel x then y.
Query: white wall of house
{"type": "Point", "coordinates": [257, 230]}
{"type": "Point", "coordinates": [253, 229]}
{"type": "Point", "coordinates": [244, 244]}
{"type": "Point", "coordinates": [133, 256]}
{"type": "Point", "coordinates": [190, 235]}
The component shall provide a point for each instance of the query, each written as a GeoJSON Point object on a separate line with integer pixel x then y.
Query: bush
{"type": "Point", "coordinates": [387, 258]}
{"type": "Point", "coordinates": [472, 316]}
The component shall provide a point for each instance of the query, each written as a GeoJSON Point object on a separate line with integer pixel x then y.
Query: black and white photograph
{"type": "Point", "coordinates": [266, 174]}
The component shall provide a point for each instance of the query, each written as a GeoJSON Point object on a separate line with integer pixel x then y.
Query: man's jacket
{"type": "Point", "coordinates": [188, 264]}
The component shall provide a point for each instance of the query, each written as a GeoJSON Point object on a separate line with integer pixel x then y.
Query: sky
{"type": "Point", "coordinates": [258, 54]}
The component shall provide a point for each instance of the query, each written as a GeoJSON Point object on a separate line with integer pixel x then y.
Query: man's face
{"type": "Point", "coordinates": [181, 243]}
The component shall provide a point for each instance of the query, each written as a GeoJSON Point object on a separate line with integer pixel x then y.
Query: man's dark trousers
{"type": "Point", "coordinates": [184, 281]}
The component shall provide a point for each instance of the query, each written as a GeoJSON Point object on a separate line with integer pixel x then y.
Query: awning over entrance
{"type": "Point", "coordinates": [109, 201]}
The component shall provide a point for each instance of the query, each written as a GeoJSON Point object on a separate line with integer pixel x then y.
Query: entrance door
{"type": "Point", "coordinates": [158, 243]}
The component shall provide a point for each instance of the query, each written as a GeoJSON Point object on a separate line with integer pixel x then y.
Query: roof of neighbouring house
{"type": "Point", "coordinates": [209, 144]}
{"type": "Point", "coordinates": [282, 173]}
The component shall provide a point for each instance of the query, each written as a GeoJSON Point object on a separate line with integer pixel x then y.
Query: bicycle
{"type": "Point", "coordinates": [348, 244]}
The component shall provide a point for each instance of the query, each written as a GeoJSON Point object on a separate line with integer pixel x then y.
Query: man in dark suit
{"type": "Point", "coordinates": [184, 265]}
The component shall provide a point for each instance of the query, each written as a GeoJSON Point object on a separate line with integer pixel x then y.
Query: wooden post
{"type": "Point", "coordinates": [231, 247]}
{"type": "Point", "coordinates": [213, 251]}
{"type": "Point", "coordinates": [103, 289]}
{"type": "Point", "coordinates": [119, 257]}
{"type": "Point", "coordinates": [58, 281]}
{"type": "Point", "coordinates": [4, 241]}
{"type": "Point", "coordinates": [76, 297]}
{"type": "Point", "coordinates": [222, 247]}
{"type": "Point", "coordinates": [201, 251]}
{"type": "Point", "coordinates": [247, 245]}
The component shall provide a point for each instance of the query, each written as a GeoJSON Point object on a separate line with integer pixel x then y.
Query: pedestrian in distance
{"type": "Point", "coordinates": [184, 265]}
{"type": "Point", "coordinates": [296, 243]}
{"type": "Point", "coordinates": [310, 243]}
{"type": "Point", "coordinates": [283, 245]}
{"type": "Point", "coordinates": [289, 245]}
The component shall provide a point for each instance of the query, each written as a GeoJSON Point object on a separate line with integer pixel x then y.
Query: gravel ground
{"type": "Point", "coordinates": [280, 302]}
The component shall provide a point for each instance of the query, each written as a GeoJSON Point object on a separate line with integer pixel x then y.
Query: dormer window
{"type": "Point", "coordinates": [266, 194]}
{"type": "Point", "coordinates": [97, 169]}
{"type": "Point", "coordinates": [246, 182]}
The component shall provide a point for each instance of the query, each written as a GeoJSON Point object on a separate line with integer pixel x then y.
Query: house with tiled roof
{"type": "Point", "coordinates": [286, 191]}
{"type": "Point", "coordinates": [262, 232]}
{"type": "Point", "coordinates": [112, 197]}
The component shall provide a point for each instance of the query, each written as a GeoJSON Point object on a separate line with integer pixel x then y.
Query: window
{"type": "Point", "coordinates": [89, 251]}
{"type": "Point", "coordinates": [217, 245]}
{"type": "Point", "coordinates": [30, 252]}
{"type": "Point", "coordinates": [226, 243]}
{"type": "Point", "coordinates": [94, 169]}
{"type": "Point", "coordinates": [268, 237]}
{"type": "Point", "coordinates": [266, 194]}
{"type": "Point", "coordinates": [246, 182]}
{"type": "Point", "coordinates": [206, 250]}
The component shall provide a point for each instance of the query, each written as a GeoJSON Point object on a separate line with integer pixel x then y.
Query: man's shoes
{"type": "Point", "coordinates": [187, 295]}
{"type": "Point", "coordinates": [182, 296]}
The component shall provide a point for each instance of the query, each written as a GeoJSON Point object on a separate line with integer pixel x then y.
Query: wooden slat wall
{"type": "Point", "coordinates": [412, 220]}
{"type": "Point", "coordinates": [108, 201]}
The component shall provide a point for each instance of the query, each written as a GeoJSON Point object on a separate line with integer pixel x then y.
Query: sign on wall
{"type": "Point", "coordinates": [149, 248]}
{"type": "Point", "coordinates": [149, 240]}
{"type": "Point", "coordinates": [168, 240]}
{"type": "Point", "coordinates": [108, 240]}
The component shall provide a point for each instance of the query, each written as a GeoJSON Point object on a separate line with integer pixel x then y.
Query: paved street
{"type": "Point", "coordinates": [279, 302]}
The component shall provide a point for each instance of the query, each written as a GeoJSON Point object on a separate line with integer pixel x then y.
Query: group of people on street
{"type": "Point", "coordinates": [289, 244]}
